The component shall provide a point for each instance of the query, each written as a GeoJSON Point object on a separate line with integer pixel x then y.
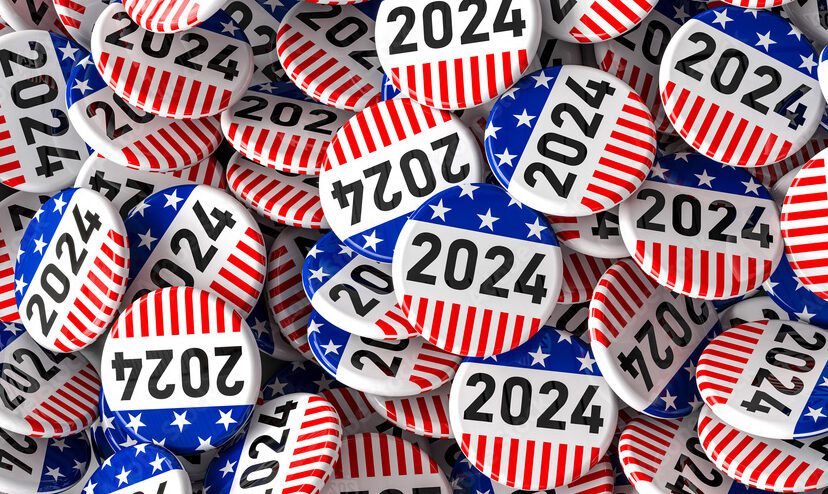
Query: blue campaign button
{"type": "Point", "coordinates": [42, 465]}
{"type": "Point", "coordinates": [139, 468]}
{"type": "Point", "coordinates": [785, 288]}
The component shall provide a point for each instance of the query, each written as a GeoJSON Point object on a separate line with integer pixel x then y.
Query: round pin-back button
{"type": "Point", "coordinates": [42, 465]}
{"type": "Point", "coordinates": [425, 414]}
{"type": "Point", "coordinates": [224, 250]}
{"type": "Point", "coordinates": [442, 266]}
{"type": "Point", "coordinates": [353, 292]}
{"type": "Point", "coordinates": [526, 444]}
{"type": "Point", "coordinates": [387, 368]}
{"type": "Point", "coordinates": [174, 80]}
{"type": "Point", "coordinates": [771, 174]}
{"type": "Point", "coordinates": [753, 309]}
{"type": "Point", "coordinates": [580, 275]}
{"type": "Point", "coordinates": [33, 92]}
{"type": "Point", "coordinates": [289, 306]}
{"type": "Point", "coordinates": [75, 244]}
{"type": "Point", "coordinates": [767, 464]}
{"type": "Point", "coordinates": [305, 435]}
{"type": "Point", "coordinates": [628, 315]}
{"type": "Point", "coordinates": [810, 17]}
{"type": "Point", "coordinates": [329, 52]}
{"type": "Point", "coordinates": [260, 20]}
{"type": "Point", "coordinates": [131, 137]}
{"type": "Point", "coordinates": [635, 57]}
{"type": "Point", "coordinates": [403, 153]}
{"type": "Point", "coordinates": [285, 198]}
{"type": "Point", "coordinates": [61, 395]}
{"type": "Point", "coordinates": [449, 66]}
{"type": "Point", "coordinates": [279, 126]}
{"type": "Point", "coordinates": [591, 22]}
{"type": "Point", "coordinates": [139, 468]}
{"type": "Point", "coordinates": [595, 235]}
{"type": "Point", "coordinates": [22, 16]}
{"type": "Point", "coordinates": [269, 341]}
{"type": "Point", "coordinates": [687, 195]}
{"type": "Point", "coordinates": [567, 170]}
{"type": "Point", "coordinates": [181, 332]}
{"type": "Point", "coordinates": [573, 319]}
{"type": "Point", "coordinates": [78, 18]}
{"type": "Point", "coordinates": [380, 462]}
{"type": "Point", "coordinates": [717, 111]}
{"type": "Point", "coordinates": [740, 371]}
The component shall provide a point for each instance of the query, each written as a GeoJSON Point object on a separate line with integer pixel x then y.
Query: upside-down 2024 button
{"type": "Point", "coordinates": [198, 236]}
{"type": "Point", "coordinates": [591, 22]}
{"type": "Point", "coordinates": [580, 275]}
{"type": "Point", "coordinates": [718, 111]}
{"type": "Point", "coordinates": [687, 195]}
{"type": "Point", "coordinates": [449, 65]}
{"type": "Point", "coordinates": [384, 163]}
{"type": "Point", "coordinates": [539, 442]}
{"type": "Point", "coordinates": [169, 77]}
{"type": "Point", "coordinates": [741, 372]}
{"type": "Point", "coordinates": [139, 468]}
{"type": "Point", "coordinates": [32, 96]}
{"type": "Point", "coordinates": [594, 235]}
{"type": "Point", "coordinates": [42, 465]}
{"type": "Point", "coordinates": [154, 350]}
{"type": "Point", "coordinates": [72, 270]}
{"type": "Point", "coordinates": [445, 256]}
{"type": "Point", "coordinates": [753, 309]}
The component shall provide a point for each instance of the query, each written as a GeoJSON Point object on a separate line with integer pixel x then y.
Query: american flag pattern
{"type": "Point", "coordinates": [425, 414]}
{"type": "Point", "coordinates": [596, 235]}
{"type": "Point", "coordinates": [618, 155]}
{"type": "Point", "coordinates": [297, 148]}
{"type": "Point", "coordinates": [174, 91]}
{"type": "Point", "coordinates": [598, 20]}
{"type": "Point", "coordinates": [771, 174]}
{"type": "Point", "coordinates": [328, 73]}
{"type": "Point", "coordinates": [79, 16]}
{"type": "Point", "coordinates": [309, 431]}
{"type": "Point", "coordinates": [458, 75]}
{"type": "Point", "coordinates": [420, 366]}
{"type": "Point", "coordinates": [285, 198]}
{"type": "Point", "coordinates": [768, 464]}
{"type": "Point", "coordinates": [724, 128]}
{"type": "Point", "coordinates": [154, 143]}
{"type": "Point", "coordinates": [716, 270]}
{"type": "Point", "coordinates": [170, 16]}
{"type": "Point", "coordinates": [465, 322]}
{"type": "Point", "coordinates": [52, 465]}
{"type": "Point", "coordinates": [139, 468]}
{"type": "Point", "coordinates": [526, 456]}
{"type": "Point", "coordinates": [97, 283]}
{"type": "Point", "coordinates": [580, 275]}
{"type": "Point", "coordinates": [787, 290]}
{"type": "Point", "coordinates": [289, 306]}
{"type": "Point", "coordinates": [269, 340]}
{"type": "Point", "coordinates": [331, 267]}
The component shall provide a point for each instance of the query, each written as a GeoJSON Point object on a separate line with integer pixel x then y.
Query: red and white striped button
{"type": "Point", "coordinates": [595, 235]}
{"type": "Point", "coordinates": [425, 414]}
{"type": "Point", "coordinates": [72, 270]}
{"type": "Point", "coordinates": [285, 198]}
{"type": "Point", "coordinates": [448, 64]}
{"type": "Point", "coordinates": [171, 16]}
{"type": "Point", "coordinates": [767, 464]}
{"type": "Point", "coordinates": [580, 275]}
{"type": "Point", "coordinates": [372, 462]}
{"type": "Point", "coordinates": [719, 113]}
{"type": "Point", "coordinates": [78, 18]}
{"type": "Point", "coordinates": [591, 22]}
{"type": "Point", "coordinates": [177, 79]}
{"type": "Point", "coordinates": [339, 70]}
{"type": "Point", "coordinates": [22, 15]}
{"type": "Point", "coordinates": [276, 125]}
{"type": "Point", "coordinates": [770, 174]}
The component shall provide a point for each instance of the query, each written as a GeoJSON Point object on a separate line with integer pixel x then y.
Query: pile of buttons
{"type": "Point", "coordinates": [413, 247]}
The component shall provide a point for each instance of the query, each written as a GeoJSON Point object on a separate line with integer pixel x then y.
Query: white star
{"type": "Point", "coordinates": [180, 420]}
{"type": "Point", "coordinates": [691, 369]}
{"type": "Point", "coordinates": [19, 284]}
{"type": "Point", "coordinates": [157, 464]}
{"type": "Point", "coordinates": [468, 190]}
{"type": "Point", "coordinates": [81, 467]}
{"type": "Point", "coordinates": [20, 253]}
{"type": "Point", "coordinates": [11, 328]}
{"type": "Point", "coordinates": [107, 462]}
{"type": "Point", "coordinates": [314, 250]}
{"type": "Point", "coordinates": [815, 413]}
{"type": "Point", "coordinates": [586, 362]}
{"type": "Point", "coordinates": [491, 131]}
{"type": "Point", "coordinates": [752, 187]}
{"type": "Point", "coordinates": [90, 488]}
{"type": "Point", "coordinates": [487, 220]}
{"type": "Point", "coordinates": [323, 383]}
{"type": "Point", "coordinates": [371, 241]}
{"type": "Point", "coordinates": [204, 444]}
{"type": "Point", "coordinates": [277, 387]}
{"type": "Point", "coordinates": [162, 442]}
{"type": "Point", "coordinates": [259, 326]}
{"type": "Point", "coordinates": [68, 51]}
{"type": "Point", "coordinates": [330, 347]}
{"type": "Point", "coordinates": [722, 19]}
{"type": "Point", "coordinates": [82, 86]}
{"type": "Point", "coordinates": [696, 403]}
{"type": "Point", "coordinates": [344, 250]}
{"type": "Point", "coordinates": [141, 448]}
{"type": "Point", "coordinates": [135, 422]}
{"type": "Point", "coordinates": [60, 444]}
{"type": "Point", "coordinates": [824, 381]}
{"type": "Point", "coordinates": [535, 229]}
{"type": "Point", "coordinates": [510, 93]}
{"type": "Point", "coordinates": [228, 468]}
{"type": "Point", "coordinates": [524, 119]}
{"type": "Point", "coordinates": [313, 327]}
{"type": "Point", "coordinates": [146, 239]}
{"type": "Point", "coordinates": [173, 199]}
{"type": "Point", "coordinates": [59, 204]}
{"type": "Point", "coordinates": [318, 274]}
{"type": "Point", "coordinates": [123, 476]}
{"type": "Point", "coordinates": [85, 61]}
{"type": "Point", "coordinates": [753, 12]}
{"type": "Point", "coordinates": [229, 27]}
{"type": "Point", "coordinates": [505, 158]}
{"type": "Point", "coordinates": [54, 473]}
{"type": "Point", "coordinates": [37, 215]}
{"type": "Point", "coordinates": [680, 14]}
{"type": "Point", "coordinates": [106, 422]}
{"type": "Point", "coordinates": [542, 80]}
{"type": "Point", "coordinates": [669, 400]}
{"type": "Point", "coordinates": [804, 315]}
{"type": "Point", "coordinates": [564, 336]}
{"type": "Point", "coordinates": [795, 32]}
{"type": "Point", "coordinates": [439, 211]}
{"type": "Point", "coordinates": [769, 286]}
{"type": "Point", "coordinates": [682, 157]}
{"type": "Point", "coordinates": [273, 4]}
{"type": "Point", "coordinates": [658, 171]}
{"type": "Point", "coordinates": [765, 41]}
{"type": "Point", "coordinates": [39, 245]}
{"type": "Point", "coordinates": [808, 62]}
{"type": "Point", "coordinates": [538, 357]}
{"type": "Point", "coordinates": [128, 443]}
{"type": "Point", "coordinates": [226, 419]}
{"type": "Point", "coordinates": [139, 209]}
{"type": "Point", "coordinates": [705, 179]}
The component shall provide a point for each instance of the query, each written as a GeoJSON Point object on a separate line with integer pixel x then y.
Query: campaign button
{"type": "Point", "coordinates": [580, 275]}
{"type": "Point", "coordinates": [787, 290]}
{"type": "Point", "coordinates": [450, 294]}
{"type": "Point", "coordinates": [534, 446]}
{"type": "Point", "coordinates": [387, 368]}
{"type": "Point", "coordinates": [42, 465]}
{"type": "Point", "coordinates": [720, 113]}
{"type": "Point", "coordinates": [424, 414]}
{"type": "Point", "coordinates": [688, 197]}
{"type": "Point", "coordinates": [352, 292]}
{"type": "Point", "coordinates": [41, 408]}
{"type": "Point", "coordinates": [75, 244]}
{"type": "Point", "coordinates": [743, 372]}
{"type": "Point", "coordinates": [767, 464]}
{"type": "Point", "coordinates": [289, 306]}
{"type": "Point", "coordinates": [647, 340]}
{"type": "Point", "coordinates": [339, 70]}
{"type": "Point", "coordinates": [563, 169]}
{"type": "Point", "coordinates": [595, 235]}
{"type": "Point", "coordinates": [78, 18]}
{"type": "Point", "coordinates": [372, 462]}
{"type": "Point", "coordinates": [37, 155]}
{"type": "Point", "coordinates": [753, 309]}
{"type": "Point", "coordinates": [174, 331]}
{"type": "Point", "coordinates": [138, 469]}
{"type": "Point", "coordinates": [591, 22]}
{"type": "Point", "coordinates": [196, 236]}
{"type": "Point", "coordinates": [178, 79]}
{"type": "Point", "coordinates": [22, 16]}
{"type": "Point", "coordinates": [269, 341]}
{"type": "Point", "coordinates": [573, 318]}
{"type": "Point", "coordinates": [278, 126]}
{"type": "Point", "coordinates": [809, 16]}
{"type": "Point", "coordinates": [771, 174]}
{"type": "Point", "coordinates": [285, 198]}
{"type": "Point", "coordinates": [304, 437]}
{"type": "Point", "coordinates": [467, 59]}
{"type": "Point", "coordinates": [403, 154]}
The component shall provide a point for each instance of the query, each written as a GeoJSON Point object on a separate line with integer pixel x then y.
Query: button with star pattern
{"type": "Point", "coordinates": [509, 428]}
{"type": "Point", "coordinates": [78, 18]}
{"type": "Point", "coordinates": [702, 229]}
{"type": "Point", "coordinates": [753, 309]}
{"type": "Point", "coordinates": [425, 414]}
{"type": "Point", "coordinates": [42, 465]}
{"type": "Point", "coordinates": [443, 265]}
{"type": "Point", "coordinates": [595, 235]}
{"type": "Point", "coordinates": [269, 341]}
{"type": "Point", "coordinates": [138, 469]}
{"type": "Point", "coordinates": [591, 22]}
{"type": "Point", "coordinates": [152, 354]}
